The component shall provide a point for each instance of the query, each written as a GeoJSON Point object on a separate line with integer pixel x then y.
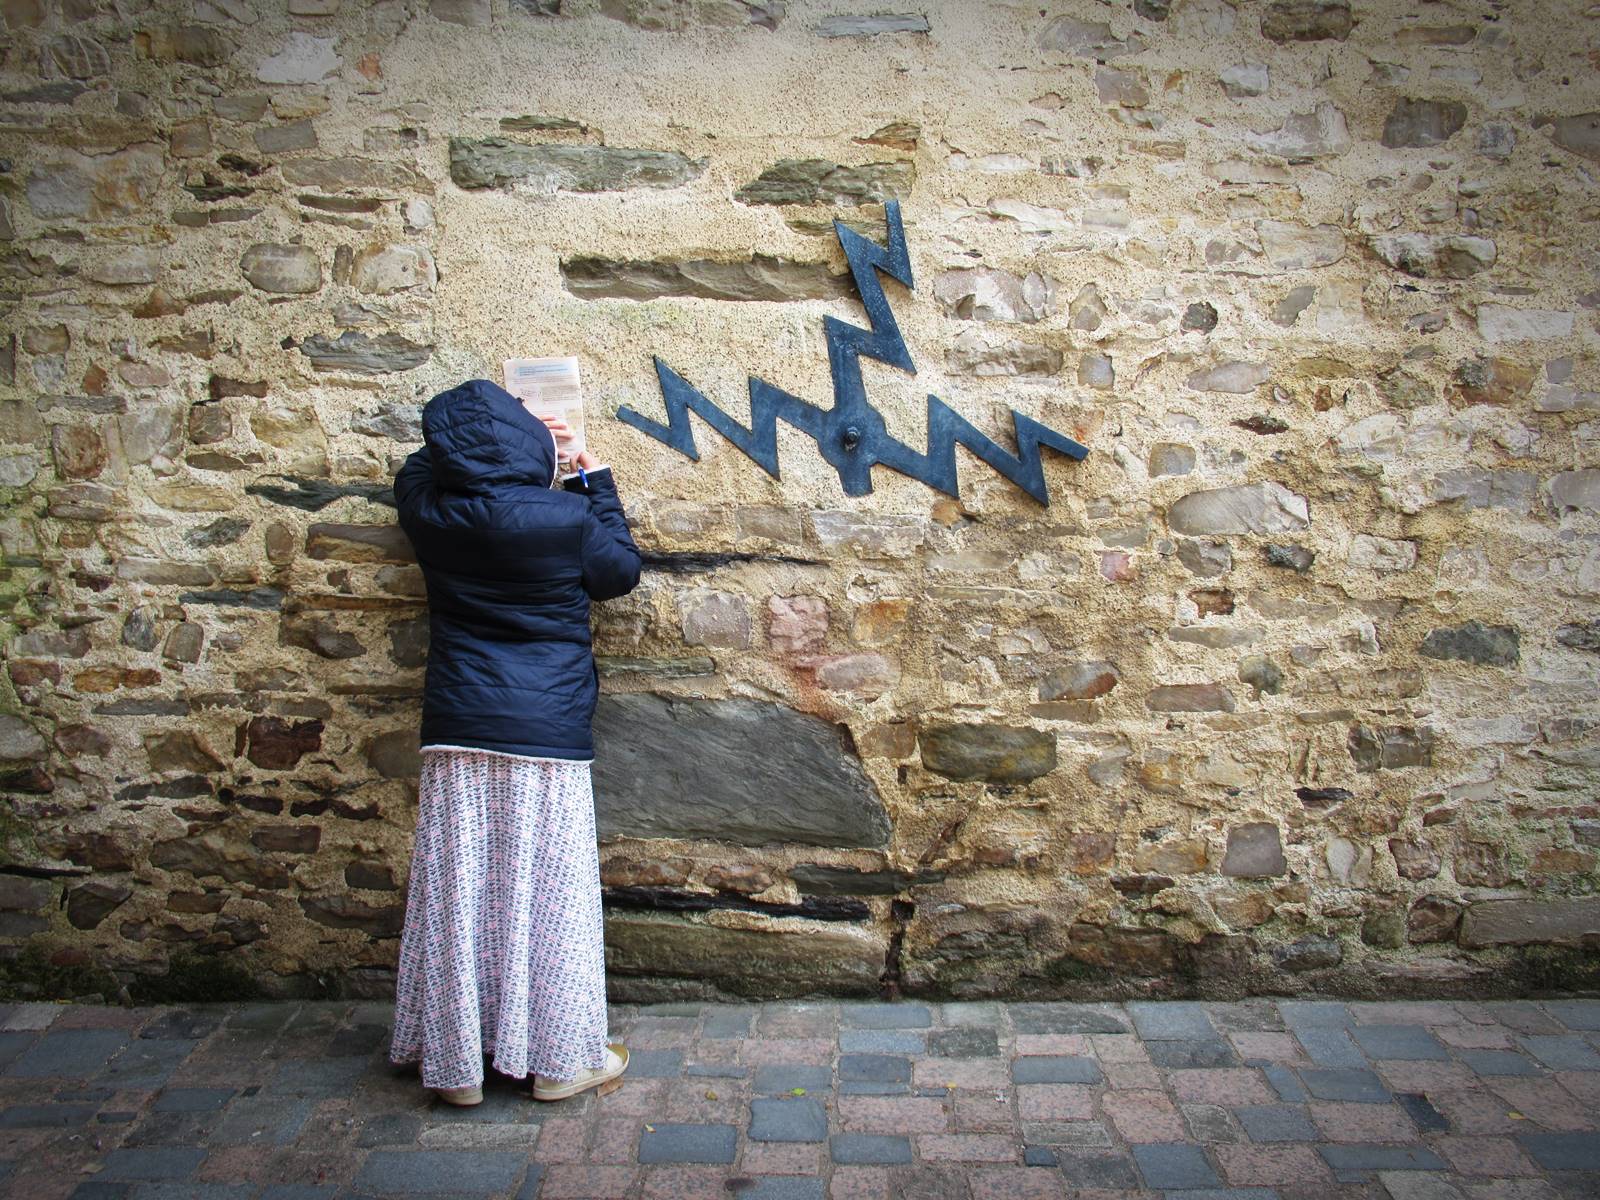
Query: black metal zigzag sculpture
{"type": "Point", "coordinates": [851, 435]}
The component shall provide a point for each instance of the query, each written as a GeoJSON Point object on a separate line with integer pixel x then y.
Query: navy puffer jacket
{"type": "Point", "coordinates": [511, 565]}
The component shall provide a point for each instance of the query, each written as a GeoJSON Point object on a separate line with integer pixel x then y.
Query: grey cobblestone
{"type": "Point", "coordinates": [1091, 1106]}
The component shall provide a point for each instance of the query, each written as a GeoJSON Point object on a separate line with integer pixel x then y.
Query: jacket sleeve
{"type": "Point", "coordinates": [610, 559]}
{"type": "Point", "coordinates": [410, 481]}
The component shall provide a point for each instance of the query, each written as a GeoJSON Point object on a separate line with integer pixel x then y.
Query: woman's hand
{"type": "Point", "coordinates": [561, 430]}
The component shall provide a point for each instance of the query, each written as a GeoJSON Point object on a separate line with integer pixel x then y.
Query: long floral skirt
{"type": "Point", "coordinates": [502, 953]}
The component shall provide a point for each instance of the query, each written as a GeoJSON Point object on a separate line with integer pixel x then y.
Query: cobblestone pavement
{"type": "Point", "coordinates": [788, 1101]}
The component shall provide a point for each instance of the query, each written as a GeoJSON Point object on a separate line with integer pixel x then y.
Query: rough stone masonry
{"type": "Point", "coordinates": [1292, 687]}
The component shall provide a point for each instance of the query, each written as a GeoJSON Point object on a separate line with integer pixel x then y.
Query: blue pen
{"type": "Point", "coordinates": [584, 476]}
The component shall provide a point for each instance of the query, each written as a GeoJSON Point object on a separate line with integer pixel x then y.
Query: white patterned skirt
{"type": "Point", "coordinates": [502, 953]}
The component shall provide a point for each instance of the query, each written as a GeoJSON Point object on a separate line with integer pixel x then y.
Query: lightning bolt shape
{"type": "Point", "coordinates": [851, 436]}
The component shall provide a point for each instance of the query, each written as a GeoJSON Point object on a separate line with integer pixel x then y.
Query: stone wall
{"type": "Point", "coordinates": [1291, 686]}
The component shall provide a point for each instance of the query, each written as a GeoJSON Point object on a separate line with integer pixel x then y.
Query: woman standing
{"type": "Point", "coordinates": [502, 952]}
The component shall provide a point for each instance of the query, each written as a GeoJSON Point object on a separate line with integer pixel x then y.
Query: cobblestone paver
{"type": "Point", "coordinates": [1258, 1100]}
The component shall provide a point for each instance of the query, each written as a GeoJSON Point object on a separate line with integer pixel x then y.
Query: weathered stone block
{"type": "Point", "coordinates": [651, 957]}
{"type": "Point", "coordinates": [361, 354]}
{"type": "Point", "coordinates": [992, 753]}
{"type": "Point", "coordinates": [282, 268]}
{"type": "Point", "coordinates": [1306, 21]}
{"type": "Point", "coordinates": [661, 770]}
{"type": "Point", "coordinates": [761, 277]}
{"type": "Point", "coordinates": [1254, 851]}
{"type": "Point", "coordinates": [556, 166]}
{"type": "Point", "coordinates": [1189, 697]}
{"type": "Point", "coordinates": [1249, 508]}
{"type": "Point", "coordinates": [1435, 255]}
{"type": "Point", "coordinates": [1423, 123]}
{"type": "Point", "coordinates": [1393, 746]}
{"type": "Point", "coordinates": [359, 543]}
{"type": "Point", "coordinates": [818, 181]}
{"type": "Point", "coordinates": [1474, 642]}
{"type": "Point", "coordinates": [384, 270]}
{"type": "Point", "coordinates": [1560, 921]}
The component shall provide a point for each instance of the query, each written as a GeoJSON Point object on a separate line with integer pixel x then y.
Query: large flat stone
{"type": "Point", "coordinates": [737, 770]}
{"type": "Point", "coordinates": [653, 957]}
{"type": "Point", "coordinates": [995, 753]}
{"type": "Point", "coordinates": [496, 162]}
{"type": "Point", "coordinates": [1571, 921]}
{"type": "Point", "coordinates": [1249, 508]}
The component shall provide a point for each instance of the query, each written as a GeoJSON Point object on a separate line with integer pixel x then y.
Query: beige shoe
{"type": "Point", "coordinates": [469, 1095]}
{"type": "Point", "coordinates": [607, 1078]}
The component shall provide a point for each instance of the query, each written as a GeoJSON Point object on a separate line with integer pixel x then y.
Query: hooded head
{"type": "Point", "coordinates": [481, 438]}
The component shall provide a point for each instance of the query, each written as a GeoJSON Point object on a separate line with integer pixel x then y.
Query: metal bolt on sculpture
{"type": "Point", "coordinates": [851, 435]}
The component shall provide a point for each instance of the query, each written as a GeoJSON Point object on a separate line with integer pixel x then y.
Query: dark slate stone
{"type": "Point", "coordinates": [192, 1099]}
{"type": "Point", "coordinates": [312, 495]}
{"type": "Point", "coordinates": [224, 531]}
{"type": "Point", "coordinates": [1399, 1041]}
{"type": "Point", "coordinates": [860, 1148]}
{"type": "Point", "coordinates": [1286, 1083]}
{"type": "Point", "coordinates": [1308, 954]}
{"type": "Point", "coordinates": [152, 1162]}
{"type": "Point", "coordinates": [1092, 1169]}
{"type": "Point", "coordinates": [964, 1042]}
{"type": "Point", "coordinates": [1292, 557]}
{"type": "Point", "coordinates": [1382, 1158]}
{"type": "Point", "coordinates": [1562, 1052]}
{"type": "Point", "coordinates": [886, 1016]}
{"type": "Point", "coordinates": [1170, 1021]}
{"type": "Point", "coordinates": [1418, 1107]}
{"type": "Point", "coordinates": [993, 753]}
{"type": "Point", "coordinates": [262, 597]}
{"type": "Point", "coordinates": [1046, 1017]}
{"type": "Point", "coordinates": [646, 1064]}
{"type": "Point", "coordinates": [1474, 642]}
{"type": "Point", "coordinates": [688, 1143]}
{"type": "Point", "coordinates": [1038, 1156]}
{"type": "Point", "coordinates": [662, 899]}
{"type": "Point", "coordinates": [874, 1068]}
{"type": "Point", "coordinates": [726, 1023]}
{"type": "Point", "coordinates": [819, 880]}
{"type": "Point", "coordinates": [363, 354]}
{"type": "Point", "coordinates": [1353, 1084]}
{"type": "Point", "coordinates": [882, 1041]}
{"type": "Point", "coordinates": [569, 167]}
{"type": "Point", "coordinates": [1174, 1165]}
{"type": "Point", "coordinates": [1563, 1151]}
{"type": "Point", "coordinates": [401, 422]}
{"type": "Point", "coordinates": [1054, 1068]}
{"type": "Point", "coordinates": [1195, 1052]}
{"type": "Point", "coordinates": [1498, 1062]}
{"type": "Point", "coordinates": [68, 1053]}
{"type": "Point", "coordinates": [777, 1187]}
{"type": "Point", "coordinates": [46, 1116]}
{"type": "Point", "coordinates": [787, 1119]}
{"type": "Point", "coordinates": [406, 1172]}
{"type": "Point", "coordinates": [1331, 1048]}
{"type": "Point", "coordinates": [1422, 123]}
{"type": "Point", "coordinates": [775, 1079]}
{"type": "Point", "coordinates": [761, 277]}
{"type": "Point", "coordinates": [1277, 1123]}
{"type": "Point", "coordinates": [661, 771]}
{"type": "Point", "coordinates": [1581, 635]}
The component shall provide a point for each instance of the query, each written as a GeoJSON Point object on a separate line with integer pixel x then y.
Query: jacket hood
{"type": "Point", "coordinates": [480, 437]}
